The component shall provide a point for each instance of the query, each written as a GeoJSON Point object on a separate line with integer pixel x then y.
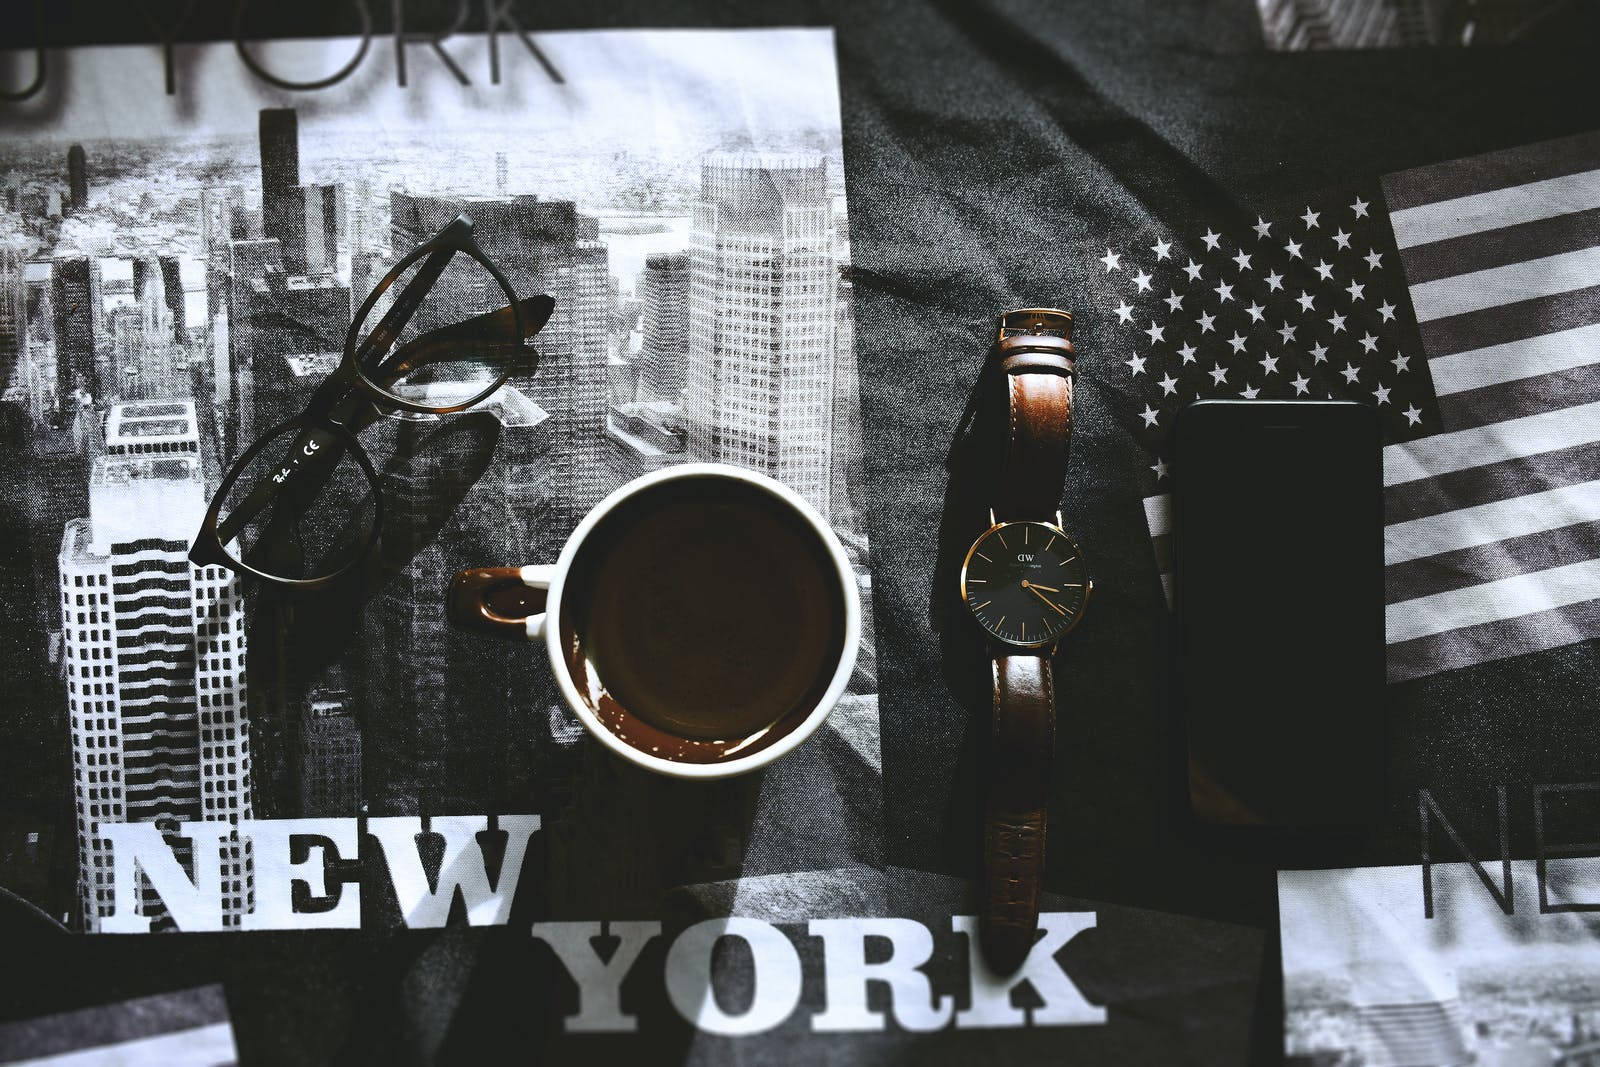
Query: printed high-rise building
{"type": "Point", "coordinates": [219, 204]}
{"type": "Point", "coordinates": [61, 447]}
{"type": "Point", "coordinates": [271, 315]}
{"type": "Point", "coordinates": [146, 363]}
{"type": "Point", "coordinates": [365, 241]}
{"type": "Point", "coordinates": [433, 739]}
{"type": "Point", "coordinates": [665, 352]}
{"type": "Point", "coordinates": [330, 755]}
{"type": "Point", "coordinates": [318, 230]}
{"type": "Point", "coordinates": [849, 444]}
{"type": "Point", "coordinates": [544, 246]}
{"type": "Point", "coordinates": [283, 212]}
{"type": "Point", "coordinates": [279, 132]}
{"type": "Point", "coordinates": [13, 308]}
{"type": "Point", "coordinates": [643, 436]}
{"type": "Point", "coordinates": [77, 178]}
{"type": "Point", "coordinates": [39, 341]}
{"type": "Point", "coordinates": [78, 308]}
{"type": "Point", "coordinates": [248, 261]}
{"type": "Point", "coordinates": [172, 288]}
{"type": "Point", "coordinates": [154, 654]}
{"type": "Point", "coordinates": [761, 320]}
{"type": "Point", "coordinates": [287, 315]}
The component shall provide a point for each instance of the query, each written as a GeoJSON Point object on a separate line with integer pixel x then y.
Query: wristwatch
{"type": "Point", "coordinates": [1025, 582]}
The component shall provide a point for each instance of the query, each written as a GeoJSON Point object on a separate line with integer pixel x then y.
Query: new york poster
{"type": "Point", "coordinates": [178, 272]}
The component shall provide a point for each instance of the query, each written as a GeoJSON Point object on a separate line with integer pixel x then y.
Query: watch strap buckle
{"type": "Point", "coordinates": [1036, 322]}
{"type": "Point", "coordinates": [1035, 341]}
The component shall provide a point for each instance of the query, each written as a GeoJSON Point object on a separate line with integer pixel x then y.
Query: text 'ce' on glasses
{"type": "Point", "coordinates": [441, 332]}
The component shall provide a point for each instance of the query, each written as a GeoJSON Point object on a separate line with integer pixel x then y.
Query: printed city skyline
{"type": "Point", "coordinates": [163, 303]}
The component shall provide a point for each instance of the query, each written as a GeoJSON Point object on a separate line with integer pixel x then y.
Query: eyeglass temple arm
{"type": "Point", "coordinates": [405, 305]}
{"type": "Point", "coordinates": [492, 330]}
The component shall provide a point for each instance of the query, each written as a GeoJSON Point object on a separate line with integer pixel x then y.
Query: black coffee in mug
{"type": "Point", "coordinates": [710, 621]}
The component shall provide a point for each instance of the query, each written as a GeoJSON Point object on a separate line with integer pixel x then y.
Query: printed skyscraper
{"type": "Point", "coordinates": [544, 246]}
{"type": "Point", "coordinates": [13, 306]}
{"type": "Point", "coordinates": [77, 178]}
{"type": "Point", "coordinates": [77, 304]}
{"type": "Point", "coordinates": [154, 656]}
{"type": "Point", "coordinates": [146, 362]}
{"type": "Point", "coordinates": [427, 743]}
{"type": "Point", "coordinates": [666, 325]}
{"type": "Point", "coordinates": [282, 204]}
{"type": "Point", "coordinates": [761, 320]}
{"type": "Point", "coordinates": [330, 755]}
{"type": "Point", "coordinates": [304, 218]}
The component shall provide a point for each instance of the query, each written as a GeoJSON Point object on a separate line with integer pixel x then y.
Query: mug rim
{"type": "Point", "coordinates": [739, 764]}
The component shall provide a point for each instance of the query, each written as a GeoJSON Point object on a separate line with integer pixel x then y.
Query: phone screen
{"type": "Point", "coordinates": [1278, 598]}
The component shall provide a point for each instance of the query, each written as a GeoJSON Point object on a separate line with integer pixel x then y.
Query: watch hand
{"type": "Point", "coordinates": [1035, 591]}
{"type": "Point", "coordinates": [1046, 588]}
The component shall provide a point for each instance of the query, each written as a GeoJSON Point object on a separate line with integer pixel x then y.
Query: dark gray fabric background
{"type": "Point", "coordinates": [989, 149]}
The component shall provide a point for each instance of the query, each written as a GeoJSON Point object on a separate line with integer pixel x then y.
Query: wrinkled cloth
{"type": "Point", "coordinates": [991, 149]}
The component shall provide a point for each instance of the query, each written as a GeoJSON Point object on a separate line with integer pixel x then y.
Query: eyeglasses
{"type": "Point", "coordinates": [440, 333]}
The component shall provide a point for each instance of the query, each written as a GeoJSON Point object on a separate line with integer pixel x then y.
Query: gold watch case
{"type": "Point", "coordinates": [1050, 640]}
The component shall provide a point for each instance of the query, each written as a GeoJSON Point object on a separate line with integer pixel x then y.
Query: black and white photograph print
{"type": "Point", "coordinates": [1501, 975]}
{"type": "Point", "coordinates": [1311, 25]}
{"type": "Point", "coordinates": [178, 275]}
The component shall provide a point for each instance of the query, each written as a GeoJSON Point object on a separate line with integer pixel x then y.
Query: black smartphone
{"type": "Point", "coordinates": [1278, 642]}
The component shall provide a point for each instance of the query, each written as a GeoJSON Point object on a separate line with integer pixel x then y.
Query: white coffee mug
{"type": "Point", "coordinates": [527, 602]}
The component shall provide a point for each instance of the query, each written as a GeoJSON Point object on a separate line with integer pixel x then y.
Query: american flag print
{"type": "Point", "coordinates": [1463, 300]}
{"type": "Point", "coordinates": [1492, 540]}
{"type": "Point", "coordinates": [1307, 305]}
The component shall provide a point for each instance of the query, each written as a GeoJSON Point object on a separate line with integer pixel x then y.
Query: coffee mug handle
{"type": "Point", "coordinates": [506, 601]}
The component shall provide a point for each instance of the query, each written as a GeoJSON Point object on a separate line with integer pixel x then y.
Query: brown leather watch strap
{"type": "Point", "coordinates": [1036, 453]}
{"type": "Point", "coordinates": [1036, 362]}
{"type": "Point", "coordinates": [1022, 744]}
{"type": "Point", "coordinates": [1038, 370]}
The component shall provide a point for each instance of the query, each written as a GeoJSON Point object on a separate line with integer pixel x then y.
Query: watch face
{"type": "Point", "coordinates": [1026, 583]}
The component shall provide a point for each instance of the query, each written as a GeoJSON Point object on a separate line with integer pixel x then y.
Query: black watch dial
{"type": "Point", "coordinates": [1026, 583]}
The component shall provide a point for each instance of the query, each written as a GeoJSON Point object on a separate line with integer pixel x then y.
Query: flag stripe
{"type": "Point", "coordinates": [1494, 481]}
{"type": "Point", "coordinates": [1487, 563]}
{"type": "Point", "coordinates": [1163, 550]}
{"type": "Point", "coordinates": [1494, 210]}
{"type": "Point", "coordinates": [1471, 645]}
{"type": "Point", "coordinates": [1480, 251]}
{"type": "Point", "coordinates": [1158, 514]}
{"type": "Point", "coordinates": [1495, 170]}
{"type": "Point", "coordinates": [1427, 457]}
{"type": "Point", "coordinates": [117, 1025]}
{"type": "Point", "coordinates": [1506, 598]}
{"type": "Point", "coordinates": [1492, 478]}
{"type": "Point", "coordinates": [1487, 523]}
{"type": "Point", "coordinates": [203, 1046]}
{"type": "Point", "coordinates": [1479, 368]}
{"type": "Point", "coordinates": [1492, 541]}
{"type": "Point", "coordinates": [1416, 1032]}
{"type": "Point", "coordinates": [1512, 322]}
{"type": "Point", "coordinates": [1515, 399]}
{"type": "Point", "coordinates": [1528, 280]}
